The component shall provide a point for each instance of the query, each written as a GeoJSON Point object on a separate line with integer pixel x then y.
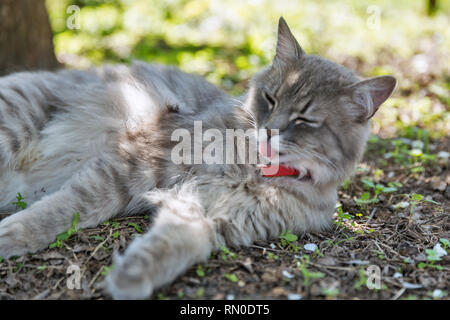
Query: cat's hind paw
{"type": "Point", "coordinates": [127, 280]}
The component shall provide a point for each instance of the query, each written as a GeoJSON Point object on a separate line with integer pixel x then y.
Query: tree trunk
{"type": "Point", "coordinates": [26, 40]}
{"type": "Point", "coordinates": [432, 6]}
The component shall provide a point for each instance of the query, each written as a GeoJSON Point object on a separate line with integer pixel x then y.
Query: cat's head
{"type": "Point", "coordinates": [321, 109]}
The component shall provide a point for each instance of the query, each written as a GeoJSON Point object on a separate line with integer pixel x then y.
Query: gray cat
{"type": "Point", "coordinates": [100, 143]}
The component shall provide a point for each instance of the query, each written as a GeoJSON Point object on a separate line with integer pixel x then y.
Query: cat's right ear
{"type": "Point", "coordinates": [288, 48]}
{"type": "Point", "coordinates": [368, 95]}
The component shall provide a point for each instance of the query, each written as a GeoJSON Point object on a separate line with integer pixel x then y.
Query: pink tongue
{"type": "Point", "coordinates": [274, 171]}
{"type": "Point", "coordinates": [270, 171]}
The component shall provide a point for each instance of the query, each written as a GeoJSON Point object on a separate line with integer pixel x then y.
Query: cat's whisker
{"type": "Point", "coordinates": [292, 148]}
{"type": "Point", "coordinates": [241, 107]}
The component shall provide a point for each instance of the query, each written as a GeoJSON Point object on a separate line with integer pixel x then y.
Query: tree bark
{"type": "Point", "coordinates": [26, 40]}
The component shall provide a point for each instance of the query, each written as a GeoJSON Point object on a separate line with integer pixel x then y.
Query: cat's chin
{"type": "Point", "coordinates": [292, 183]}
{"type": "Point", "coordinates": [303, 176]}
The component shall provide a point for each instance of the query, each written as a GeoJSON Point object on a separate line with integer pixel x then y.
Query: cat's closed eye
{"type": "Point", "coordinates": [299, 120]}
{"type": "Point", "coordinates": [270, 99]}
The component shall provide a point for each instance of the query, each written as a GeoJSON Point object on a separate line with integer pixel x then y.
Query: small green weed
{"type": "Point", "coordinates": [415, 199]}
{"type": "Point", "coordinates": [19, 203]}
{"type": "Point", "coordinates": [135, 226]}
{"type": "Point", "coordinates": [106, 270]}
{"type": "Point", "coordinates": [272, 256]}
{"type": "Point", "coordinates": [227, 253]}
{"type": "Point", "coordinates": [287, 241]}
{"type": "Point", "coordinates": [200, 272]}
{"type": "Point", "coordinates": [231, 276]}
{"type": "Point", "coordinates": [362, 280]}
{"type": "Point", "coordinates": [377, 188]}
{"type": "Point", "coordinates": [307, 275]}
{"type": "Point", "coordinates": [60, 238]}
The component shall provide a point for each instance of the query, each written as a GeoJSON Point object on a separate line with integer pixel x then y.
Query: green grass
{"type": "Point", "coordinates": [66, 235]}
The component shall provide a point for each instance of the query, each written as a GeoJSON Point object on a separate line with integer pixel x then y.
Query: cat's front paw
{"type": "Point", "coordinates": [128, 280]}
{"type": "Point", "coordinates": [17, 238]}
{"type": "Point", "coordinates": [13, 239]}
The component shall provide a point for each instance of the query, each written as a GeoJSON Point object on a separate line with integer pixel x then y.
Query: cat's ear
{"type": "Point", "coordinates": [368, 95]}
{"type": "Point", "coordinates": [288, 48]}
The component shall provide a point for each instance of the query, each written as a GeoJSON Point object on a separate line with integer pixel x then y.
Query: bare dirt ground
{"type": "Point", "coordinates": [393, 231]}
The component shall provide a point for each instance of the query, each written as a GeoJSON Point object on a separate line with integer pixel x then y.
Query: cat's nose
{"type": "Point", "coordinates": [264, 142]}
{"type": "Point", "coordinates": [266, 147]}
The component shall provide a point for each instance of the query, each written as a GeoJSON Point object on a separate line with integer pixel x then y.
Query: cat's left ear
{"type": "Point", "coordinates": [288, 48]}
{"type": "Point", "coordinates": [368, 95]}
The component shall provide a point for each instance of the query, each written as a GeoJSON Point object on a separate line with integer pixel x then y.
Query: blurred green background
{"type": "Point", "coordinates": [228, 41]}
